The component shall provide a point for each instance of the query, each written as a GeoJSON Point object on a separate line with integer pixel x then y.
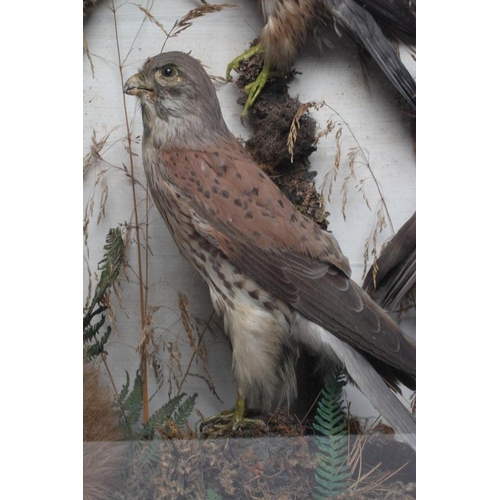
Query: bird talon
{"type": "Point", "coordinates": [255, 88]}
{"type": "Point", "coordinates": [230, 421]}
{"type": "Point", "coordinates": [235, 63]}
{"type": "Point", "coordinates": [233, 424]}
{"type": "Point", "coordinates": [232, 65]}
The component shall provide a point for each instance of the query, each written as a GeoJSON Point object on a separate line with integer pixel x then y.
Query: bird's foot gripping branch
{"type": "Point", "coordinates": [253, 89]}
{"type": "Point", "coordinates": [228, 422]}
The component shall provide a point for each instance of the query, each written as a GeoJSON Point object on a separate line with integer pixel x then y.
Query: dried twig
{"type": "Point", "coordinates": [185, 22]}
{"type": "Point", "coordinates": [366, 164]}
{"type": "Point", "coordinates": [136, 217]}
{"type": "Point", "coordinates": [198, 351]}
{"type": "Point", "coordinates": [87, 53]}
{"type": "Point", "coordinates": [372, 481]}
{"type": "Point", "coordinates": [357, 157]}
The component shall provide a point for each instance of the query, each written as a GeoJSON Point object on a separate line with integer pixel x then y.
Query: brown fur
{"type": "Point", "coordinates": [102, 455]}
{"type": "Point", "coordinates": [100, 420]}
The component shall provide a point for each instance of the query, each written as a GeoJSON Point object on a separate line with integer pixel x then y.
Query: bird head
{"type": "Point", "coordinates": [178, 100]}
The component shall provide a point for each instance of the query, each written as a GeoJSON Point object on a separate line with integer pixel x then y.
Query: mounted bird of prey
{"type": "Point", "coordinates": [289, 23]}
{"type": "Point", "coordinates": [395, 273]}
{"type": "Point", "coordinates": [274, 276]}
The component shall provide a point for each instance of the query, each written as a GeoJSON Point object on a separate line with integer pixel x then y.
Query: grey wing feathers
{"type": "Point", "coordinates": [327, 297]}
{"type": "Point", "coordinates": [364, 29]}
{"type": "Point", "coordinates": [396, 273]}
{"type": "Point", "coordinates": [376, 390]}
{"type": "Point", "coordinates": [399, 14]}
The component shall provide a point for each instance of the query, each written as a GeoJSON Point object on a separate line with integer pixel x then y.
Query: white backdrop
{"type": "Point", "coordinates": [334, 75]}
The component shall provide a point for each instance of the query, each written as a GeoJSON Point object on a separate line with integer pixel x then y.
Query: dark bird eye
{"type": "Point", "coordinates": [168, 71]}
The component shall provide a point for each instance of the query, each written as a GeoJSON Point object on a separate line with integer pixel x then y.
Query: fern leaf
{"type": "Point", "coordinates": [133, 402]}
{"type": "Point", "coordinates": [98, 347]}
{"type": "Point", "coordinates": [328, 484]}
{"type": "Point", "coordinates": [130, 404]}
{"type": "Point", "coordinates": [160, 416]}
{"type": "Point", "coordinates": [184, 410]}
{"type": "Point", "coordinates": [124, 391]}
{"type": "Point", "coordinates": [326, 444]}
{"type": "Point", "coordinates": [87, 320]}
{"type": "Point", "coordinates": [110, 265]}
{"type": "Point", "coordinates": [327, 424]}
{"type": "Point", "coordinates": [150, 453]}
{"type": "Point", "coordinates": [320, 493]}
{"type": "Point", "coordinates": [321, 424]}
{"type": "Point", "coordinates": [90, 332]}
{"type": "Point", "coordinates": [331, 472]}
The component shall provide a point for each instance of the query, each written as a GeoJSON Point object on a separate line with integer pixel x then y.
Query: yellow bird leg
{"type": "Point", "coordinates": [235, 63]}
{"type": "Point", "coordinates": [254, 89]}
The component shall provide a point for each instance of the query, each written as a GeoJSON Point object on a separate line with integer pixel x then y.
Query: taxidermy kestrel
{"type": "Point", "coordinates": [396, 268]}
{"type": "Point", "coordinates": [289, 23]}
{"type": "Point", "coordinates": [274, 276]}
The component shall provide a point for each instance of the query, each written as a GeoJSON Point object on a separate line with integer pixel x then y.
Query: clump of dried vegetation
{"type": "Point", "coordinates": [173, 462]}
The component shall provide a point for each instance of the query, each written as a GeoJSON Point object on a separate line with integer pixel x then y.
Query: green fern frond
{"type": "Point", "coordinates": [330, 413]}
{"type": "Point", "coordinates": [184, 410]}
{"type": "Point", "coordinates": [98, 346]}
{"type": "Point", "coordinates": [110, 265]}
{"type": "Point", "coordinates": [150, 453]}
{"type": "Point", "coordinates": [130, 404]}
{"type": "Point", "coordinates": [160, 416]}
{"type": "Point", "coordinates": [90, 332]}
{"type": "Point", "coordinates": [124, 391]}
{"type": "Point", "coordinates": [331, 472]}
{"type": "Point", "coordinates": [133, 402]}
{"type": "Point", "coordinates": [146, 446]}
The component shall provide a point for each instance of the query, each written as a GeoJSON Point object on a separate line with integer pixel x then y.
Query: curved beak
{"type": "Point", "coordinates": [137, 85]}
